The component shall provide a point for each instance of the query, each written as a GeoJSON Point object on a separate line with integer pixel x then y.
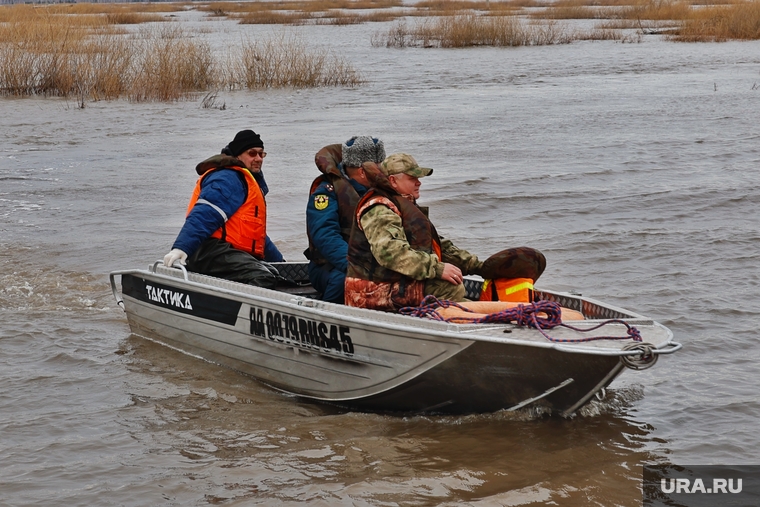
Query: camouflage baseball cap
{"type": "Point", "coordinates": [403, 163]}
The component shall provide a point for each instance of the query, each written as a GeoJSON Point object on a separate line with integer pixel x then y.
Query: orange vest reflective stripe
{"type": "Point", "coordinates": [518, 290]}
{"type": "Point", "coordinates": [246, 229]}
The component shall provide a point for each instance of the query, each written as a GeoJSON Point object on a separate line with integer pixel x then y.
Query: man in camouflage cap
{"type": "Point", "coordinates": [395, 255]}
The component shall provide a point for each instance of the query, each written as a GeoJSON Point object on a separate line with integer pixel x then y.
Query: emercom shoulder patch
{"type": "Point", "coordinates": [321, 201]}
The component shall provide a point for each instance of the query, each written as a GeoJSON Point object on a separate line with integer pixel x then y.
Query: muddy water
{"type": "Point", "coordinates": [634, 167]}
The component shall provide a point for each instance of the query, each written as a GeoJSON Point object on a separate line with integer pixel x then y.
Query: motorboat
{"type": "Point", "coordinates": [376, 361]}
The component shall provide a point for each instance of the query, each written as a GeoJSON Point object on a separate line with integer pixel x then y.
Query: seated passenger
{"type": "Point", "coordinates": [395, 255]}
{"type": "Point", "coordinates": [329, 212]}
{"type": "Point", "coordinates": [271, 252]}
{"type": "Point", "coordinates": [224, 233]}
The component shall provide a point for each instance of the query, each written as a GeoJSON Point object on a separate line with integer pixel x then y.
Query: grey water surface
{"type": "Point", "coordinates": [634, 167]}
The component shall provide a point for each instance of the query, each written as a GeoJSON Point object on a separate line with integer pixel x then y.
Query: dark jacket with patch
{"type": "Point", "coordinates": [329, 212]}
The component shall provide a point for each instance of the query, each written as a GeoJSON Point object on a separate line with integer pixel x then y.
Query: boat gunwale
{"type": "Point", "coordinates": [409, 324]}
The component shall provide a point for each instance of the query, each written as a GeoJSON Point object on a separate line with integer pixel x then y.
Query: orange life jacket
{"type": "Point", "coordinates": [518, 290]}
{"type": "Point", "coordinates": [246, 229]}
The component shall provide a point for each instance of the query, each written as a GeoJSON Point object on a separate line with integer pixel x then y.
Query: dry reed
{"type": "Point", "coordinates": [398, 36]}
{"type": "Point", "coordinates": [112, 8]}
{"type": "Point", "coordinates": [170, 65]}
{"type": "Point", "coordinates": [35, 54]}
{"type": "Point", "coordinates": [442, 6]}
{"type": "Point", "coordinates": [132, 18]}
{"type": "Point", "coordinates": [720, 23]}
{"type": "Point", "coordinates": [285, 60]}
{"type": "Point", "coordinates": [325, 5]}
{"type": "Point", "coordinates": [323, 12]}
{"type": "Point", "coordinates": [655, 10]}
{"type": "Point", "coordinates": [465, 30]}
{"type": "Point", "coordinates": [609, 34]}
{"type": "Point", "coordinates": [308, 6]}
{"type": "Point", "coordinates": [487, 7]}
{"type": "Point", "coordinates": [275, 18]}
{"type": "Point", "coordinates": [569, 12]}
{"type": "Point", "coordinates": [602, 34]}
{"type": "Point", "coordinates": [45, 55]}
{"type": "Point", "coordinates": [89, 14]}
{"type": "Point", "coordinates": [75, 50]}
{"type": "Point", "coordinates": [21, 13]}
{"type": "Point", "coordinates": [338, 17]}
{"type": "Point", "coordinates": [210, 101]}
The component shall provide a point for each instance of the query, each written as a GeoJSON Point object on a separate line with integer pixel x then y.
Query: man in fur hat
{"type": "Point", "coordinates": [329, 212]}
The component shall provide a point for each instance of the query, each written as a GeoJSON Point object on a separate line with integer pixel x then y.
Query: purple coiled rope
{"type": "Point", "coordinates": [522, 315]}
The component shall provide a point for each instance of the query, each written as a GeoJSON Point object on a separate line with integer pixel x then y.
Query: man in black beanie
{"type": "Point", "coordinates": [224, 234]}
{"type": "Point", "coordinates": [244, 140]}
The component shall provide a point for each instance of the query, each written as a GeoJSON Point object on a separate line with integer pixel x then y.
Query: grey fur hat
{"type": "Point", "coordinates": [360, 149]}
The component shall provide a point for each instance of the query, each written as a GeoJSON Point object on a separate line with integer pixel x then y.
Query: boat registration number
{"type": "Point", "coordinates": [305, 333]}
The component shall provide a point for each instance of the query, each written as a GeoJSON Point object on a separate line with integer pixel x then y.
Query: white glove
{"type": "Point", "coordinates": [175, 255]}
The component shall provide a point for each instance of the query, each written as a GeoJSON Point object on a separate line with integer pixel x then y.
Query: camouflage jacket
{"type": "Point", "coordinates": [385, 233]}
{"type": "Point", "coordinates": [388, 236]}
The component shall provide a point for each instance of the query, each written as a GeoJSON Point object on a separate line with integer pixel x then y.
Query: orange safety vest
{"type": "Point", "coordinates": [246, 229]}
{"type": "Point", "coordinates": [518, 290]}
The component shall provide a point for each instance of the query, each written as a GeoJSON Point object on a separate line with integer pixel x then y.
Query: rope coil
{"type": "Point", "coordinates": [642, 361]}
{"type": "Point", "coordinates": [539, 315]}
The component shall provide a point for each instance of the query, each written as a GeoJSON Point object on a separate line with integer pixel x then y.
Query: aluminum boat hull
{"type": "Point", "coordinates": [375, 361]}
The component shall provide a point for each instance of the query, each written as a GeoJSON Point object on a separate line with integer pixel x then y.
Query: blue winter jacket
{"type": "Point", "coordinates": [323, 225]}
{"type": "Point", "coordinates": [225, 188]}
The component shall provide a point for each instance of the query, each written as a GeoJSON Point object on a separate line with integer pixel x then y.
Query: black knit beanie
{"type": "Point", "coordinates": [244, 140]}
